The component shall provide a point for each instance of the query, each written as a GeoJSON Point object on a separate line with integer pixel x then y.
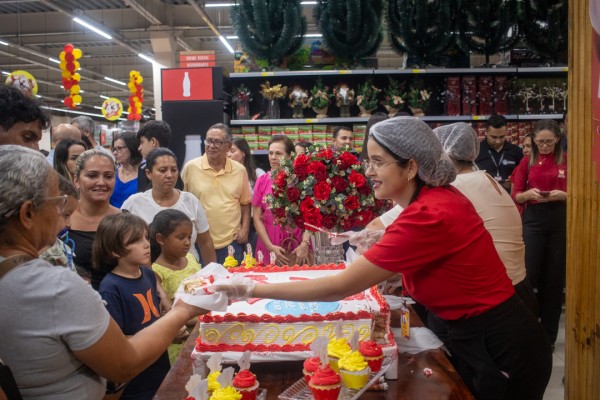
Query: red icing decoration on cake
{"type": "Point", "coordinates": [288, 268]}
{"type": "Point", "coordinates": [253, 318]}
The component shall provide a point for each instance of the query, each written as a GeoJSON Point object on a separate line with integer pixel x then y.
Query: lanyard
{"type": "Point", "coordinates": [496, 164]}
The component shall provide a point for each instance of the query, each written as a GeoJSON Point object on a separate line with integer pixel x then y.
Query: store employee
{"type": "Point", "coordinates": [496, 156]}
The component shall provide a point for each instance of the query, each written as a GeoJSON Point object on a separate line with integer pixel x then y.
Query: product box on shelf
{"type": "Point", "coordinates": [264, 130]}
{"type": "Point", "coordinates": [292, 132]}
{"type": "Point", "coordinates": [469, 95]}
{"type": "Point", "coordinates": [305, 133]}
{"type": "Point", "coordinates": [236, 132]}
{"type": "Point", "coordinates": [480, 129]}
{"type": "Point", "coordinates": [319, 133]}
{"type": "Point", "coordinates": [452, 95]}
{"type": "Point", "coordinates": [248, 130]}
{"type": "Point", "coordinates": [501, 95]}
{"type": "Point", "coordinates": [278, 130]}
{"type": "Point", "coordinates": [486, 95]}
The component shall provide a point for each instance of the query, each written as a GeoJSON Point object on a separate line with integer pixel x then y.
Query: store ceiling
{"type": "Point", "coordinates": [37, 30]}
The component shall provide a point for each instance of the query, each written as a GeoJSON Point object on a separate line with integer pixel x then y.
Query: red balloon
{"type": "Point", "coordinates": [71, 67]}
{"type": "Point", "coordinates": [68, 48]}
{"type": "Point", "coordinates": [68, 101]}
{"type": "Point", "coordinates": [74, 82]}
{"type": "Point", "coordinates": [69, 57]}
{"type": "Point", "coordinates": [68, 85]}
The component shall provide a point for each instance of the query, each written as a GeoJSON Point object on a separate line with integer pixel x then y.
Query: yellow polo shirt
{"type": "Point", "coordinates": [222, 193]}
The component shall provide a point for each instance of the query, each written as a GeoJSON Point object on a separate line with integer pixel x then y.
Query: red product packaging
{"type": "Point", "coordinates": [501, 95]}
{"type": "Point", "coordinates": [469, 95]}
{"type": "Point", "coordinates": [452, 99]}
{"type": "Point", "coordinates": [486, 95]}
{"type": "Point", "coordinates": [480, 129]}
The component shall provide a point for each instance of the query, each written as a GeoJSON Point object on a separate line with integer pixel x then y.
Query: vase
{"type": "Point", "coordinates": [364, 113]}
{"type": "Point", "coordinates": [321, 112]}
{"type": "Point", "coordinates": [273, 111]}
{"type": "Point", "coordinates": [325, 252]}
{"type": "Point", "coordinates": [417, 112]}
{"type": "Point", "coordinates": [242, 108]}
{"type": "Point", "coordinates": [392, 111]}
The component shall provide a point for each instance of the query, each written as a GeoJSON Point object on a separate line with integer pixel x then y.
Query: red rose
{"type": "Point", "coordinates": [321, 175]}
{"type": "Point", "coordinates": [339, 183]}
{"type": "Point", "coordinates": [280, 180]}
{"type": "Point", "coordinates": [346, 160]}
{"type": "Point", "coordinates": [306, 205]}
{"type": "Point", "coordinates": [293, 194]}
{"type": "Point", "coordinates": [329, 221]}
{"type": "Point", "coordinates": [313, 217]}
{"type": "Point", "coordinates": [316, 166]}
{"type": "Point", "coordinates": [322, 190]}
{"type": "Point", "coordinates": [301, 171]}
{"type": "Point", "coordinates": [365, 217]}
{"type": "Point", "coordinates": [351, 202]}
{"type": "Point", "coordinates": [357, 179]}
{"type": "Point", "coordinates": [299, 221]}
{"type": "Point", "coordinates": [365, 190]}
{"type": "Point", "coordinates": [279, 212]}
{"type": "Point", "coordinates": [348, 224]}
{"type": "Point", "coordinates": [302, 159]}
{"type": "Point", "coordinates": [326, 154]}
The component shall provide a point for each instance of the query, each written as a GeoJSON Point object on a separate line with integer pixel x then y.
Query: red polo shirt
{"type": "Point", "coordinates": [544, 175]}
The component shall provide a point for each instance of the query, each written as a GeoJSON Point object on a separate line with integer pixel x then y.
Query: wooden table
{"type": "Point", "coordinates": [276, 377]}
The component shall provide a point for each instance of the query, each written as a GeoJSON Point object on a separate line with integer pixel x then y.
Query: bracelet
{"type": "Point", "coordinates": [305, 241]}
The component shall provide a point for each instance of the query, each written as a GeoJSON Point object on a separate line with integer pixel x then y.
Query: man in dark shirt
{"type": "Point", "coordinates": [496, 156]}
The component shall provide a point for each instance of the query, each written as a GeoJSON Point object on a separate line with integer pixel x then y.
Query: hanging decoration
{"type": "Point", "coordinates": [70, 79]}
{"type": "Point", "coordinates": [136, 98]}
{"type": "Point", "coordinates": [112, 109]}
{"type": "Point", "coordinates": [23, 81]}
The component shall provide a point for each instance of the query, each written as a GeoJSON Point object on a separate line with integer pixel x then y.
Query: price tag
{"type": "Point", "coordinates": [311, 121]}
{"type": "Point", "coordinates": [479, 117]}
{"type": "Point", "coordinates": [267, 74]}
{"type": "Point", "coordinates": [565, 69]}
{"type": "Point", "coordinates": [405, 323]}
{"type": "Point", "coordinates": [418, 71]}
{"type": "Point", "coordinates": [345, 72]}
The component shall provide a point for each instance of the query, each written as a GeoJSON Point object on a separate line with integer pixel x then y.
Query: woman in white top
{"type": "Point", "coordinates": [162, 171]}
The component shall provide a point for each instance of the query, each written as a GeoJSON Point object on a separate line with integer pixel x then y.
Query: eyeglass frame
{"type": "Point", "coordinates": [213, 142]}
{"type": "Point", "coordinates": [118, 149]}
{"type": "Point", "coordinates": [545, 142]}
{"type": "Point", "coordinates": [376, 165]}
{"type": "Point", "coordinates": [59, 207]}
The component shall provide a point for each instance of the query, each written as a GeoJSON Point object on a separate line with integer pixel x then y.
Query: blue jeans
{"type": "Point", "coordinates": [238, 252]}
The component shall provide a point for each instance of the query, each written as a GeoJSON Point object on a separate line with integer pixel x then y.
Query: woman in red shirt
{"type": "Point", "coordinates": [448, 263]}
{"type": "Point", "coordinates": [540, 184]}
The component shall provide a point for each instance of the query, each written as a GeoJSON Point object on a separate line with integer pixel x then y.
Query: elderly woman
{"type": "Point", "coordinates": [57, 336]}
{"type": "Point", "coordinates": [95, 180]}
{"type": "Point", "coordinates": [162, 171]}
{"type": "Point", "coordinates": [448, 262]}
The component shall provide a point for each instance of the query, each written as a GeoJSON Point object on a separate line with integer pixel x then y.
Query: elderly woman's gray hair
{"type": "Point", "coordinates": [25, 175]}
{"type": "Point", "coordinates": [86, 155]}
{"type": "Point", "coordinates": [409, 138]}
{"type": "Point", "coordinates": [459, 141]}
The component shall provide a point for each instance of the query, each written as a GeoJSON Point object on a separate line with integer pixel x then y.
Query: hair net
{"type": "Point", "coordinates": [410, 138]}
{"type": "Point", "coordinates": [459, 141]}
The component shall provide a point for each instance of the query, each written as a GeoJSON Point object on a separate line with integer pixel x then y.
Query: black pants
{"type": "Point", "coordinates": [544, 234]}
{"type": "Point", "coordinates": [503, 354]}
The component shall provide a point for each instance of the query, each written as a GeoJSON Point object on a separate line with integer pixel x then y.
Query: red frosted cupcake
{"type": "Point", "coordinates": [325, 384]}
{"type": "Point", "coordinates": [310, 366]}
{"type": "Point", "coordinates": [372, 353]}
{"type": "Point", "coordinates": [245, 382]}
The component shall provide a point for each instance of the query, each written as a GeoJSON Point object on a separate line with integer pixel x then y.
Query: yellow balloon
{"type": "Point", "coordinates": [140, 80]}
{"type": "Point", "coordinates": [66, 74]}
{"type": "Point", "coordinates": [76, 76]}
{"type": "Point", "coordinates": [131, 74]}
{"type": "Point", "coordinates": [135, 99]}
{"type": "Point", "coordinates": [77, 66]}
{"type": "Point", "coordinates": [77, 98]}
{"type": "Point", "coordinates": [77, 53]}
{"type": "Point", "coordinates": [63, 65]}
{"type": "Point", "coordinates": [75, 89]}
{"type": "Point", "coordinates": [61, 56]}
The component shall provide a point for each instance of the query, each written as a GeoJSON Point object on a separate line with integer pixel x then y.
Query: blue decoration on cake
{"type": "Point", "coordinates": [296, 308]}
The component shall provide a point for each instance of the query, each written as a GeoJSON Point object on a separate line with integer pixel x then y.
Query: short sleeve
{"type": "Point", "coordinates": [80, 315]}
{"type": "Point", "coordinates": [388, 217]}
{"type": "Point", "coordinates": [246, 195]}
{"type": "Point", "coordinates": [114, 307]}
{"type": "Point", "coordinates": [520, 177]}
{"type": "Point", "coordinates": [159, 270]}
{"type": "Point", "coordinates": [184, 176]}
{"type": "Point", "coordinates": [128, 203]}
{"type": "Point", "coordinates": [259, 190]}
{"type": "Point", "coordinates": [201, 220]}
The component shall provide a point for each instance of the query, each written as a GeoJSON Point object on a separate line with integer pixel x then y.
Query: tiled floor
{"type": "Point", "coordinates": [556, 389]}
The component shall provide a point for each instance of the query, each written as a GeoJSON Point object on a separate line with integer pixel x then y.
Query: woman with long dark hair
{"type": "Point", "coordinates": [240, 152]}
{"type": "Point", "coordinates": [128, 159]}
{"type": "Point", "coordinates": [65, 157]}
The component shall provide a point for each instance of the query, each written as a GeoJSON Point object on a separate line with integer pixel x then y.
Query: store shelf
{"type": "Point", "coordinates": [315, 73]}
{"type": "Point", "coordinates": [535, 117]}
{"type": "Point", "coordinates": [446, 71]}
{"type": "Point", "coordinates": [533, 70]}
{"type": "Point", "coordinates": [296, 121]}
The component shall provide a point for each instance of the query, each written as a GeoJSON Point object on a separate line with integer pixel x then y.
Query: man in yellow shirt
{"type": "Point", "coordinates": [223, 188]}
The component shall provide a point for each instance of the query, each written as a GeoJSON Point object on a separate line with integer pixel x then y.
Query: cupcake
{"type": "Point", "coordinates": [354, 370]}
{"type": "Point", "coordinates": [213, 383]}
{"type": "Point", "coordinates": [336, 348]}
{"type": "Point", "coordinates": [245, 382]}
{"type": "Point", "coordinates": [325, 384]}
{"type": "Point", "coordinates": [373, 354]}
{"type": "Point", "coordinates": [226, 393]}
{"type": "Point", "coordinates": [230, 262]}
{"type": "Point", "coordinates": [310, 366]}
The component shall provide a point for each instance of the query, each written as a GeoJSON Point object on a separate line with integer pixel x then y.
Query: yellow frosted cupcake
{"type": "Point", "coordinates": [337, 348]}
{"type": "Point", "coordinates": [226, 393]}
{"type": "Point", "coordinates": [354, 370]}
{"type": "Point", "coordinates": [213, 384]}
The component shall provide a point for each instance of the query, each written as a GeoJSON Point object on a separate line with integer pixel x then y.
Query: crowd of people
{"type": "Point", "coordinates": [470, 235]}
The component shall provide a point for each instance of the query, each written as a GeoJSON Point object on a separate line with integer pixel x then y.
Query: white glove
{"type": "Point", "coordinates": [237, 289]}
{"type": "Point", "coordinates": [364, 239]}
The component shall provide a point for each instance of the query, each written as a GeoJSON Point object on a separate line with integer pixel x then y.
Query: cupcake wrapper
{"type": "Point", "coordinates": [325, 392]}
{"type": "Point", "coordinates": [355, 379]}
{"type": "Point", "coordinates": [374, 363]}
{"type": "Point", "coordinates": [307, 375]}
{"type": "Point", "coordinates": [248, 393]}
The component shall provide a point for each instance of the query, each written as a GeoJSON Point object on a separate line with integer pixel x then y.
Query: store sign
{"type": "Point", "coordinates": [187, 84]}
{"type": "Point", "coordinates": [595, 19]}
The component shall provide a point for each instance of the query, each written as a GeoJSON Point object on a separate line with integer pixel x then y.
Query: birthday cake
{"type": "Point", "coordinates": [284, 330]}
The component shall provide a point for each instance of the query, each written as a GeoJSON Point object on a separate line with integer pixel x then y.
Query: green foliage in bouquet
{"type": "Point", "coordinates": [393, 95]}
{"type": "Point", "coordinates": [324, 189]}
{"type": "Point", "coordinates": [544, 23]}
{"type": "Point", "coordinates": [418, 96]}
{"type": "Point", "coordinates": [269, 29]}
{"type": "Point", "coordinates": [367, 95]}
{"type": "Point", "coordinates": [320, 95]}
{"type": "Point", "coordinates": [421, 28]}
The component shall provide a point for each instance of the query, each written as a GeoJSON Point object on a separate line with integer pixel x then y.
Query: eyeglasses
{"type": "Point", "coordinates": [547, 142]}
{"type": "Point", "coordinates": [61, 202]}
{"type": "Point", "coordinates": [118, 149]}
{"type": "Point", "coordinates": [215, 143]}
{"type": "Point", "coordinates": [375, 165]}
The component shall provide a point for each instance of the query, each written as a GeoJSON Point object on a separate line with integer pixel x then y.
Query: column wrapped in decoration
{"type": "Point", "coordinates": [137, 96]}
{"type": "Point", "coordinates": [70, 79]}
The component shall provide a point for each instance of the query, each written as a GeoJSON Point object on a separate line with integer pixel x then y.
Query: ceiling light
{"type": "Point", "coordinates": [5, 73]}
{"type": "Point", "coordinates": [4, 43]}
{"type": "Point", "coordinates": [115, 81]}
{"type": "Point", "coordinates": [150, 60]}
{"type": "Point", "coordinates": [54, 60]}
{"type": "Point", "coordinates": [104, 97]}
{"type": "Point", "coordinates": [219, 5]}
{"type": "Point", "coordinates": [313, 35]}
{"type": "Point", "coordinates": [77, 112]}
{"type": "Point", "coordinates": [92, 28]}
{"type": "Point", "coordinates": [233, 37]}
{"type": "Point", "coordinates": [226, 43]}
{"type": "Point", "coordinates": [306, 3]}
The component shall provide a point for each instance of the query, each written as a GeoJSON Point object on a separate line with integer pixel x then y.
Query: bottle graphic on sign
{"type": "Point", "coordinates": [187, 85]}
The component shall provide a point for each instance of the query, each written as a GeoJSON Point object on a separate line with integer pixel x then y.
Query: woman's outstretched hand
{"type": "Point", "coordinates": [236, 292]}
{"type": "Point", "coordinates": [364, 239]}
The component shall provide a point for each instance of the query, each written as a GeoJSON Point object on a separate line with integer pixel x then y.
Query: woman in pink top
{"type": "Point", "coordinates": [289, 246]}
{"type": "Point", "coordinates": [540, 184]}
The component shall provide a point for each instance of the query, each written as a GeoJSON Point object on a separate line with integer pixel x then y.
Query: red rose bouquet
{"type": "Point", "coordinates": [325, 189]}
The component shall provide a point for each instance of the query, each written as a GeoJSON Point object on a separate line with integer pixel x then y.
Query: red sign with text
{"type": "Point", "coordinates": [183, 84]}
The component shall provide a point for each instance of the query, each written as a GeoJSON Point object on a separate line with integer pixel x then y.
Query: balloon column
{"type": "Point", "coordinates": [136, 97]}
{"type": "Point", "coordinates": [70, 79]}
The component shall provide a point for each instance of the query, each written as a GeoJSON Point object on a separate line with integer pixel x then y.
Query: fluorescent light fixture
{"type": "Point", "coordinates": [81, 91]}
{"type": "Point", "coordinates": [226, 43]}
{"type": "Point", "coordinates": [150, 60]}
{"type": "Point", "coordinates": [38, 96]}
{"type": "Point", "coordinates": [77, 112]}
{"type": "Point", "coordinates": [153, 109]}
{"type": "Point", "coordinates": [104, 97]}
{"type": "Point", "coordinates": [231, 37]}
{"type": "Point", "coordinates": [313, 35]}
{"type": "Point", "coordinates": [219, 5]}
{"type": "Point", "coordinates": [306, 3]}
{"type": "Point", "coordinates": [54, 60]}
{"type": "Point", "coordinates": [4, 43]}
{"type": "Point", "coordinates": [92, 28]}
{"type": "Point", "coordinates": [115, 81]}
{"type": "Point", "coordinates": [98, 107]}
{"type": "Point", "coordinates": [5, 73]}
